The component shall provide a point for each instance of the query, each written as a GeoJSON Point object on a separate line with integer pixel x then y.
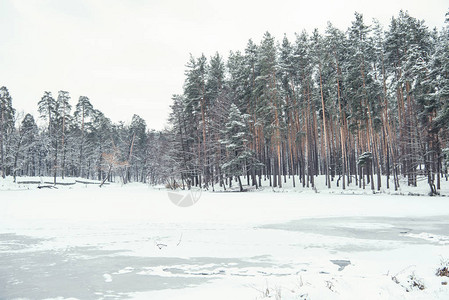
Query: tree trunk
{"type": "Point", "coordinates": [326, 146]}
{"type": "Point", "coordinates": [2, 155]}
{"type": "Point", "coordinates": [240, 183]}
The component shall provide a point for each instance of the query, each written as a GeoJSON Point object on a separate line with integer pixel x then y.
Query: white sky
{"type": "Point", "coordinates": [129, 56]}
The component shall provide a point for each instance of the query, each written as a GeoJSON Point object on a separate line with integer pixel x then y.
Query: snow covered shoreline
{"type": "Point", "coordinates": [422, 188]}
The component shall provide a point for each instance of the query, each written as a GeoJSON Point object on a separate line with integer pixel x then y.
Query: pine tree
{"type": "Point", "coordinates": [288, 74]}
{"type": "Point", "coordinates": [101, 140]}
{"type": "Point", "coordinates": [6, 127]}
{"type": "Point", "coordinates": [304, 65]}
{"type": "Point", "coordinates": [269, 110]}
{"type": "Point", "coordinates": [214, 90]}
{"type": "Point", "coordinates": [320, 59]}
{"type": "Point", "coordinates": [197, 105]}
{"type": "Point", "coordinates": [180, 142]}
{"type": "Point", "coordinates": [335, 43]}
{"type": "Point", "coordinates": [138, 154]}
{"type": "Point", "coordinates": [30, 146]}
{"type": "Point", "coordinates": [239, 156]}
{"type": "Point", "coordinates": [25, 141]}
{"type": "Point", "coordinates": [63, 112]}
{"type": "Point", "coordinates": [47, 108]}
{"type": "Point", "coordinates": [83, 110]}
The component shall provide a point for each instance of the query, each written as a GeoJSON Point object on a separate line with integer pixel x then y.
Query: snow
{"type": "Point", "coordinates": [85, 242]}
{"type": "Point", "coordinates": [107, 277]}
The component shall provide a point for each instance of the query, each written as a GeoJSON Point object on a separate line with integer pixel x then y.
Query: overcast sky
{"type": "Point", "coordinates": [129, 56]}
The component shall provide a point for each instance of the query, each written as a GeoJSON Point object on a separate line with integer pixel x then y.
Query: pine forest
{"type": "Point", "coordinates": [352, 105]}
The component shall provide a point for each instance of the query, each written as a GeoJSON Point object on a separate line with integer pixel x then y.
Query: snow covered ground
{"type": "Point", "coordinates": [131, 242]}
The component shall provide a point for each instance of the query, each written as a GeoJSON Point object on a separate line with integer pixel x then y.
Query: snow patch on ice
{"type": "Point", "coordinates": [107, 277]}
{"type": "Point", "coordinates": [372, 226]}
{"type": "Point", "coordinates": [61, 298]}
{"type": "Point", "coordinates": [124, 271]}
{"type": "Point", "coordinates": [435, 238]}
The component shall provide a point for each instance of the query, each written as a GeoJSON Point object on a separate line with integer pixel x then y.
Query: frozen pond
{"type": "Point", "coordinates": [105, 244]}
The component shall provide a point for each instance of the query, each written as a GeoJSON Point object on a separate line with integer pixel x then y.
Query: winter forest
{"type": "Point", "coordinates": [351, 104]}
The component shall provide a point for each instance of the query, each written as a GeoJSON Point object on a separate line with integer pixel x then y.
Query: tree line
{"type": "Point", "coordinates": [83, 143]}
{"type": "Point", "coordinates": [351, 105]}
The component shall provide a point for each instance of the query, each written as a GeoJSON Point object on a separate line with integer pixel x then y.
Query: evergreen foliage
{"type": "Point", "coordinates": [351, 105]}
